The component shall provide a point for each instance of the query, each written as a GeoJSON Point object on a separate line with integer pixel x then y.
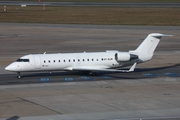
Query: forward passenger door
{"type": "Point", "coordinates": [37, 62]}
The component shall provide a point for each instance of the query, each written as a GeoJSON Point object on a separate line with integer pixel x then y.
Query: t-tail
{"type": "Point", "coordinates": [145, 50]}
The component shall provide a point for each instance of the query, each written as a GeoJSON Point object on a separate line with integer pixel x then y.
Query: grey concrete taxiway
{"type": "Point", "coordinates": [152, 92]}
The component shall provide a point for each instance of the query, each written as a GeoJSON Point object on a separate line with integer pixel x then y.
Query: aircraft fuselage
{"type": "Point", "coordinates": [67, 61]}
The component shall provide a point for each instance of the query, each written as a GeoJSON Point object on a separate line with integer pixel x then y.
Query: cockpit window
{"type": "Point", "coordinates": [22, 60]}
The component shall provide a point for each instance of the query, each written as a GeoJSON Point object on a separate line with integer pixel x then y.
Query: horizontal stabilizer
{"type": "Point", "coordinates": [160, 35]}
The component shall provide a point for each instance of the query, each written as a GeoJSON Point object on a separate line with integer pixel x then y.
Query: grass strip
{"type": "Point", "coordinates": [92, 15]}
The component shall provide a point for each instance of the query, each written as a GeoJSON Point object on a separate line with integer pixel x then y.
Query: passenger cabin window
{"type": "Point", "coordinates": [22, 60]}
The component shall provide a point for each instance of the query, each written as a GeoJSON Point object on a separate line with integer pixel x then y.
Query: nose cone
{"type": "Point", "coordinates": [12, 67]}
{"type": "Point", "coordinates": [8, 68]}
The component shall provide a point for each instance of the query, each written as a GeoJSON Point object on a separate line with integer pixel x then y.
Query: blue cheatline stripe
{"type": "Point", "coordinates": [86, 78]}
{"type": "Point", "coordinates": [150, 75]}
{"type": "Point", "coordinates": [68, 79]}
{"type": "Point", "coordinates": [44, 79]}
{"type": "Point", "coordinates": [171, 74]}
{"type": "Point", "coordinates": [107, 77]}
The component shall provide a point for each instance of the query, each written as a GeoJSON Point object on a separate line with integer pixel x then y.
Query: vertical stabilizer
{"type": "Point", "coordinates": [146, 49]}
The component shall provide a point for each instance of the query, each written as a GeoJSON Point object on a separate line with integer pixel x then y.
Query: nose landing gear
{"type": "Point", "coordinates": [19, 75]}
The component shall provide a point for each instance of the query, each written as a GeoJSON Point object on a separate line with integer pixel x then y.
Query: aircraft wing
{"type": "Point", "coordinates": [105, 70]}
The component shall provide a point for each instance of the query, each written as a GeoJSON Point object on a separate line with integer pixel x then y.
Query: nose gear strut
{"type": "Point", "coordinates": [19, 75]}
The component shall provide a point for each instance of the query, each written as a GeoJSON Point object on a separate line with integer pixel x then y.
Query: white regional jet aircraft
{"type": "Point", "coordinates": [89, 62]}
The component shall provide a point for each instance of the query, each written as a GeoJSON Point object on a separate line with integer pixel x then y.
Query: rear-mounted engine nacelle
{"type": "Point", "coordinates": [125, 56]}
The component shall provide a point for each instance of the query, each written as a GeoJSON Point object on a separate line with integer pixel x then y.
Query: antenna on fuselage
{"type": "Point", "coordinates": [44, 52]}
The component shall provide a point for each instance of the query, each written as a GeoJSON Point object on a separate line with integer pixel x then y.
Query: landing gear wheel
{"type": "Point", "coordinates": [89, 73]}
{"type": "Point", "coordinates": [19, 77]}
{"type": "Point", "coordinates": [92, 73]}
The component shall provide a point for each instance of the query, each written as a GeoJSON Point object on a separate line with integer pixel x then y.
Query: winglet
{"type": "Point", "coordinates": [132, 67]}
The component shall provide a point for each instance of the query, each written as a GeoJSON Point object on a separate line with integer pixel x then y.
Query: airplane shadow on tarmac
{"type": "Point", "coordinates": [13, 118]}
{"type": "Point", "coordinates": [137, 74]}
{"type": "Point", "coordinates": [68, 76]}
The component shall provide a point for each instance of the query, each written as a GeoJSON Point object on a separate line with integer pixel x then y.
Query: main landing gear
{"type": "Point", "coordinates": [90, 73]}
{"type": "Point", "coordinates": [19, 75]}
